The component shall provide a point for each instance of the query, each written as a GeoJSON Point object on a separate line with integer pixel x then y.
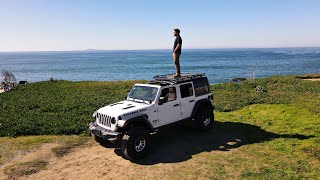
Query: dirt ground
{"type": "Point", "coordinates": [175, 153]}
{"type": "Point", "coordinates": [171, 151]}
{"type": "Point", "coordinates": [313, 79]}
{"type": "Point", "coordinates": [91, 161]}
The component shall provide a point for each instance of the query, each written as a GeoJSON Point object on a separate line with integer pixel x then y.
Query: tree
{"type": "Point", "coordinates": [7, 76]}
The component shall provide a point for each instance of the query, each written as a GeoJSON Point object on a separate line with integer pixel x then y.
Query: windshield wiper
{"type": "Point", "coordinates": [132, 99]}
{"type": "Point", "coordinates": [145, 101]}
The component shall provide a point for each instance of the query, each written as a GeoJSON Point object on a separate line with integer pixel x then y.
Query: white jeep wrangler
{"type": "Point", "coordinates": [148, 107]}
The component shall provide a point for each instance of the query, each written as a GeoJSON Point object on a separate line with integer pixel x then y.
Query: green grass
{"type": "Point", "coordinates": [63, 107]}
{"type": "Point", "coordinates": [56, 107]}
{"type": "Point", "coordinates": [269, 128]}
{"type": "Point", "coordinates": [290, 152]}
{"type": "Point", "coordinates": [277, 118]}
{"type": "Point", "coordinates": [288, 109]}
{"type": "Point", "coordinates": [274, 141]}
{"type": "Point", "coordinates": [271, 90]}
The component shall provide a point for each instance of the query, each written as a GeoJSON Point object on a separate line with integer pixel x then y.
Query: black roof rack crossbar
{"type": "Point", "coordinates": [171, 76]}
{"type": "Point", "coordinates": [161, 82]}
{"type": "Point", "coordinates": [170, 79]}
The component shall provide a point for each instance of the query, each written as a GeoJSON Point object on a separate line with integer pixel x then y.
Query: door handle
{"type": "Point", "coordinates": [176, 105]}
{"type": "Point", "coordinates": [191, 100]}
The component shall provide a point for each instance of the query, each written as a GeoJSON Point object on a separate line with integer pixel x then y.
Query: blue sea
{"type": "Point", "coordinates": [220, 65]}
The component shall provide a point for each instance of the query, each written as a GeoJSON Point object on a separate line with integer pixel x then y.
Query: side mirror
{"type": "Point", "coordinates": [162, 100]}
{"type": "Point", "coordinates": [125, 98]}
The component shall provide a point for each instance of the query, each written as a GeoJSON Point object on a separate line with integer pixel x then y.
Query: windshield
{"type": "Point", "coordinates": [143, 93]}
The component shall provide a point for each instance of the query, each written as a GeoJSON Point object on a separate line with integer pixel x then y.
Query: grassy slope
{"type": "Point", "coordinates": [276, 125]}
{"type": "Point", "coordinates": [272, 90]}
{"type": "Point", "coordinates": [56, 107]}
{"type": "Point", "coordinates": [287, 107]}
{"type": "Point", "coordinates": [291, 148]}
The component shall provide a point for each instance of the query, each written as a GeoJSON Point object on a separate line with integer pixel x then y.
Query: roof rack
{"type": "Point", "coordinates": [170, 79]}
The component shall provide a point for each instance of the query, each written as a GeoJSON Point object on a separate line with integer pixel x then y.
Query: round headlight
{"type": "Point", "coordinates": [113, 120]}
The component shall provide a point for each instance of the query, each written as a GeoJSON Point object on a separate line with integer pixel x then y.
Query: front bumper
{"type": "Point", "coordinates": [104, 133]}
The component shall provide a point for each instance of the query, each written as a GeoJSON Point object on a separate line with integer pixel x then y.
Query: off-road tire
{"type": "Point", "coordinates": [204, 118]}
{"type": "Point", "coordinates": [136, 143]}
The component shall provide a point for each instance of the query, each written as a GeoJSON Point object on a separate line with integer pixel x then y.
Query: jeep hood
{"type": "Point", "coordinates": [123, 108]}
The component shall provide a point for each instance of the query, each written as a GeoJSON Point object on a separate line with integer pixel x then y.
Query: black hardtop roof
{"type": "Point", "coordinates": [168, 79]}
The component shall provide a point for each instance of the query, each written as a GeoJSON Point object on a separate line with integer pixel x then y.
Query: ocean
{"type": "Point", "coordinates": [220, 65]}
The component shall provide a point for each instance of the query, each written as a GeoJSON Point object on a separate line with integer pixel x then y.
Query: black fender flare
{"type": "Point", "coordinates": [202, 102]}
{"type": "Point", "coordinates": [141, 120]}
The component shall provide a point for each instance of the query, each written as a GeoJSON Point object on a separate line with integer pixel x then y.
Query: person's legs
{"type": "Point", "coordinates": [176, 58]}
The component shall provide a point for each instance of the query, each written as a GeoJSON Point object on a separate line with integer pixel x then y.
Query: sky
{"type": "Point", "coordinates": [66, 25]}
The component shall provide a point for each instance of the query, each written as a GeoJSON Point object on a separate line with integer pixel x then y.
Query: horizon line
{"type": "Point", "coordinates": [93, 50]}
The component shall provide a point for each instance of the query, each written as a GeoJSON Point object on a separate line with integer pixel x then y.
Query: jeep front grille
{"type": "Point", "coordinates": [104, 119]}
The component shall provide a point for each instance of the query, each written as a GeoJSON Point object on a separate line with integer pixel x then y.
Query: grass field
{"type": "Point", "coordinates": [56, 107]}
{"type": "Point", "coordinates": [266, 129]}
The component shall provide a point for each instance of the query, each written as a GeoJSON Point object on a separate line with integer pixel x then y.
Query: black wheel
{"type": "Point", "coordinates": [135, 143]}
{"type": "Point", "coordinates": [205, 118]}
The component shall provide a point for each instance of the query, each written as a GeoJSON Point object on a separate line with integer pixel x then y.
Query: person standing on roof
{"type": "Point", "coordinates": [177, 51]}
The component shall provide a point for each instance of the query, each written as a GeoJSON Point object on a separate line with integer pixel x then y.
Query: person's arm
{"type": "Point", "coordinates": [179, 43]}
{"type": "Point", "coordinates": [178, 46]}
